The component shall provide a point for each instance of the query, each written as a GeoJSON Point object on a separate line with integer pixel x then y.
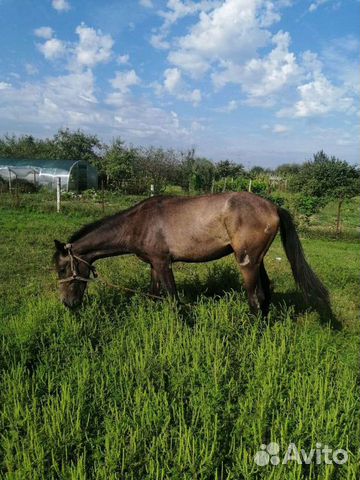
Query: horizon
{"type": "Point", "coordinates": [252, 81]}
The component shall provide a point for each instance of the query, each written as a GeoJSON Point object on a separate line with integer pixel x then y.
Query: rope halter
{"type": "Point", "coordinates": [73, 266]}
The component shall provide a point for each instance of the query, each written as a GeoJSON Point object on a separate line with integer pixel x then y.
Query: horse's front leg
{"type": "Point", "coordinates": [154, 283]}
{"type": "Point", "coordinates": [165, 274]}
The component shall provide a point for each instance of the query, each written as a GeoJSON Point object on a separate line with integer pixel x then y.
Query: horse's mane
{"type": "Point", "coordinates": [88, 228]}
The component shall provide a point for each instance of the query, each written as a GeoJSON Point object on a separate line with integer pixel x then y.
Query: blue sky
{"type": "Point", "coordinates": [256, 81]}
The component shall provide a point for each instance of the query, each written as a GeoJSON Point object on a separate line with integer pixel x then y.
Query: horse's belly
{"type": "Point", "coordinates": [200, 252]}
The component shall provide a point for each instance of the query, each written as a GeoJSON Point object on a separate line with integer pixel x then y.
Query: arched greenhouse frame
{"type": "Point", "coordinates": [75, 175]}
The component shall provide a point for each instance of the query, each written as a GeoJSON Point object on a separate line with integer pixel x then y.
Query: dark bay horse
{"type": "Point", "coordinates": [162, 230]}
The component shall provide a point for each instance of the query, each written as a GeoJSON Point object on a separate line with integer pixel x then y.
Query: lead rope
{"type": "Point", "coordinates": [96, 275]}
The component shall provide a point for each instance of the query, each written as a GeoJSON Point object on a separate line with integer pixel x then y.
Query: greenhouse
{"type": "Point", "coordinates": [75, 175]}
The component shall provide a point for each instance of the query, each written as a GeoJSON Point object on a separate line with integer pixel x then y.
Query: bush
{"type": "Point", "coordinates": [276, 198]}
{"type": "Point", "coordinates": [308, 205]}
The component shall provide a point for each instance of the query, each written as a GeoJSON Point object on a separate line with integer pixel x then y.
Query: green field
{"type": "Point", "coordinates": [128, 388]}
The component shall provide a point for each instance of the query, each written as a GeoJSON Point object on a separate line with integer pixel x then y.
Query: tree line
{"type": "Point", "coordinates": [132, 169]}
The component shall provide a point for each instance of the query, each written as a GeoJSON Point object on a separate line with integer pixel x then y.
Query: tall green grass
{"type": "Point", "coordinates": [128, 388]}
{"type": "Point", "coordinates": [139, 390]}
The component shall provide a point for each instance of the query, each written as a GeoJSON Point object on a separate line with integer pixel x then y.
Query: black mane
{"type": "Point", "coordinates": [88, 228]}
{"type": "Point", "coordinates": [99, 223]}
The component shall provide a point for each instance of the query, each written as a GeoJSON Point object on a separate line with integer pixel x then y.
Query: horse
{"type": "Point", "coordinates": [162, 230]}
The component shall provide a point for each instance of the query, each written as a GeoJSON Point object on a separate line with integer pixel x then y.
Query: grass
{"type": "Point", "coordinates": [129, 388]}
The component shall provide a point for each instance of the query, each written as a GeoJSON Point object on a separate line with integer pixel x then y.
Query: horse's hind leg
{"type": "Point", "coordinates": [265, 285]}
{"type": "Point", "coordinates": [253, 287]}
{"type": "Point", "coordinates": [256, 281]}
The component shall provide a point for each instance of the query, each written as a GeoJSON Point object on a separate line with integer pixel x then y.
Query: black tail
{"type": "Point", "coordinates": [305, 278]}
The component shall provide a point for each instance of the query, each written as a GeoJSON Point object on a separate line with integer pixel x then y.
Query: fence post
{"type": "Point", "coordinates": [102, 196]}
{"type": "Point", "coordinates": [9, 180]}
{"type": "Point", "coordinates": [151, 190]}
{"type": "Point", "coordinates": [58, 194]}
{"type": "Point", "coordinates": [250, 182]}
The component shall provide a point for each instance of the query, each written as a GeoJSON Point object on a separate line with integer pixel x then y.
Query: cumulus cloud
{"type": "Point", "coordinates": [233, 31]}
{"type": "Point", "coordinates": [319, 97]}
{"type": "Point", "coordinates": [44, 32]}
{"type": "Point", "coordinates": [124, 80]}
{"type": "Point", "coordinates": [123, 59]}
{"type": "Point", "coordinates": [175, 85]}
{"type": "Point", "coordinates": [262, 77]}
{"type": "Point", "coordinates": [52, 49]}
{"type": "Point", "coordinates": [4, 85]}
{"type": "Point", "coordinates": [61, 5]}
{"type": "Point", "coordinates": [71, 100]}
{"type": "Point", "coordinates": [93, 47]}
{"type": "Point", "coordinates": [175, 11]}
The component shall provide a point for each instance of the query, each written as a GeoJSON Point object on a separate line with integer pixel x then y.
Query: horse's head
{"type": "Point", "coordinates": [73, 273]}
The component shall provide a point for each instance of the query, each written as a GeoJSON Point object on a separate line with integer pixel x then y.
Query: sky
{"type": "Point", "coordinates": [258, 82]}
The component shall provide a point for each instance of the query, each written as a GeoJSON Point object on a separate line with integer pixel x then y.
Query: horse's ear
{"type": "Point", "coordinates": [60, 246]}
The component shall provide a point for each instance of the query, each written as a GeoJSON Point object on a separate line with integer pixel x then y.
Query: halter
{"type": "Point", "coordinates": [75, 275]}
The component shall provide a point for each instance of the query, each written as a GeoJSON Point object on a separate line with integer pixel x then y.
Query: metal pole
{"type": "Point", "coordinates": [58, 194]}
{"type": "Point", "coordinates": [102, 196]}
{"type": "Point", "coordinates": [9, 180]}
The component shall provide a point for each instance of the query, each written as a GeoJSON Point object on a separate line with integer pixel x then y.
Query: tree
{"type": "Point", "coordinates": [24, 146]}
{"type": "Point", "coordinates": [328, 178]}
{"type": "Point", "coordinates": [158, 166]}
{"type": "Point", "coordinates": [225, 169]}
{"type": "Point", "coordinates": [118, 163]}
{"type": "Point", "coordinates": [68, 145]}
{"type": "Point", "coordinates": [288, 169]}
{"type": "Point", "coordinates": [197, 173]}
{"type": "Point", "coordinates": [257, 171]}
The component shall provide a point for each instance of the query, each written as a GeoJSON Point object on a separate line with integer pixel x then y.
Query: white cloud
{"type": "Point", "coordinates": [4, 85]}
{"type": "Point", "coordinates": [231, 106]}
{"type": "Point", "coordinates": [262, 77]}
{"type": "Point", "coordinates": [52, 49]}
{"type": "Point", "coordinates": [31, 69]}
{"type": "Point", "coordinates": [70, 100]}
{"type": "Point", "coordinates": [233, 31]}
{"type": "Point", "coordinates": [158, 41]}
{"type": "Point", "coordinates": [315, 5]}
{"type": "Point", "coordinates": [123, 59]}
{"type": "Point", "coordinates": [319, 97]}
{"type": "Point", "coordinates": [44, 32]}
{"type": "Point", "coordinates": [64, 100]}
{"type": "Point", "coordinates": [278, 128]}
{"type": "Point", "coordinates": [93, 47]}
{"type": "Point", "coordinates": [146, 3]}
{"type": "Point", "coordinates": [61, 5]}
{"type": "Point", "coordinates": [340, 59]}
{"type": "Point", "coordinates": [176, 10]}
{"type": "Point", "coordinates": [124, 80]}
{"type": "Point", "coordinates": [175, 85]}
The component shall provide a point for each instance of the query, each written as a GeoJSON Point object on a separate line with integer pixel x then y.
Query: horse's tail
{"type": "Point", "coordinates": [304, 276]}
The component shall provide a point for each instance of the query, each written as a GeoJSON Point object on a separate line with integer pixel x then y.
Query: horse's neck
{"type": "Point", "coordinates": [104, 242]}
